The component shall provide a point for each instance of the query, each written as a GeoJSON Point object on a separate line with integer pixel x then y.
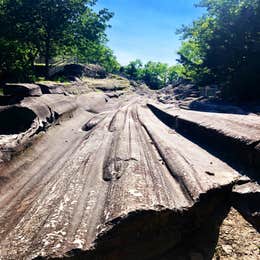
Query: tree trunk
{"type": "Point", "coordinates": [32, 58]}
{"type": "Point", "coordinates": [47, 57]}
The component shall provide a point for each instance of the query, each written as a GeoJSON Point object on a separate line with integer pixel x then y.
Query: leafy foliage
{"type": "Point", "coordinates": [97, 53]}
{"type": "Point", "coordinates": [134, 70]}
{"type": "Point", "coordinates": [223, 47]}
{"type": "Point", "coordinates": [155, 74]}
{"type": "Point", "coordinates": [47, 28]}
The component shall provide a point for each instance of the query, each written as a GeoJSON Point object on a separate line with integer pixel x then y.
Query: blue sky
{"type": "Point", "coordinates": [145, 29]}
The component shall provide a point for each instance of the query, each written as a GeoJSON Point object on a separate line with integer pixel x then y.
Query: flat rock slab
{"type": "Point", "coordinates": [242, 127]}
{"type": "Point", "coordinates": [93, 102]}
{"type": "Point", "coordinates": [238, 135]}
{"type": "Point", "coordinates": [51, 88]}
{"type": "Point", "coordinates": [126, 186]}
{"type": "Point", "coordinates": [24, 90]}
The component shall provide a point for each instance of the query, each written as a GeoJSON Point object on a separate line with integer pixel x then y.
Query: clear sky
{"type": "Point", "coordinates": [145, 29]}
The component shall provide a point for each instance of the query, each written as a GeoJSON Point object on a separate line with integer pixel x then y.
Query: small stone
{"type": "Point", "coordinates": [227, 249]}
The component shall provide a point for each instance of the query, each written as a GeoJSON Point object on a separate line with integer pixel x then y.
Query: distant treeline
{"type": "Point", "coordinates": [155, 74]}
{"type": "Point", "coordinates": [221, 48]}
{"type": "Point", "coordinates": [51, 30]}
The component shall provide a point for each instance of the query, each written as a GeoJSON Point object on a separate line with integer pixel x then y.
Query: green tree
{"type": "Point", "coordinates": [155, 74]}
{"type": "Point", "coordinates": [97, 53]}
{"type": "Point", "coordinates": [134, 70]}
{"type": "Point", "coordinates": [15, 58]}
{"type": "Point", "coordinates": [176, 73]}
{"type": "Point", "coordinates": [48, 27]}
{"type": "Point", "coordinates": [226, 42]}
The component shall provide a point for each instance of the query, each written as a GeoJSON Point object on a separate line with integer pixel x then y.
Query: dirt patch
{"type": "Point", "coordinates": [237, 240]}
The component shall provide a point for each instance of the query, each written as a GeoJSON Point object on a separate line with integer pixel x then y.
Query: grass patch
{"type": "Point", "coordinates": [63, 83]}
{"type": "Point", "coordinates": [40, 79]}
{"type": "Point", "coordinates": [61, 79]}
{"type": "Point", "coordinates": [1, 92]}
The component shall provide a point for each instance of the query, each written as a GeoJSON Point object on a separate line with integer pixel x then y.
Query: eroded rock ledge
{"type": "Point", "coordinates": [29, 109]}
{"type": "Point", "coordinates": [116, 183]}
{"type": "Point", "coordinates": [234, 138]}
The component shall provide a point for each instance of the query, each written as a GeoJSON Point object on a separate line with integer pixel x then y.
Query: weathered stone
{"type": "Point", "coordinates": [93, 102]}
{"type": "Point", "coordinates": [234, 137]}
{"type": "Point", "coordinates": [94, 71]}
{"type": "Point", "coordinates": [227, 249]}
{"type": "Point", "coordinates": [127, 188]}
{"type": "Point", "coordinates": [246, 199]}
{"type": "Point", "coordinates": [15, 120]}
{"type": "Point", "coordinates": [51, 88]}
{"type": "Point", "coordinates": [115, 182]}
{"type": "Point", "coordinates": [22, 89]}
{"type": "Point", "coordinates": [20, 123]}
{"type": "Point", "coordinates": [10, 100]}
{"type": "Point", "coordinates": [74, 71]}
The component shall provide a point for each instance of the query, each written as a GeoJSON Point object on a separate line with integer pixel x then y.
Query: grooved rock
{"type": "Point", "coordinates": [22, 122]}
{"type": "Point", "coordinates": [124, 187]}
{"type": "Point", "coordinates": [237, 135]}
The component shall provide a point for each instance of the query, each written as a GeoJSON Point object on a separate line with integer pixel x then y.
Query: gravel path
{"type": "Point", "coordinates": [237, 239]}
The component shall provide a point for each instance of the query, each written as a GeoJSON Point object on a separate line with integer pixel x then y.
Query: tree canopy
{"type": "Point", "coordinates": [223, 47]}
{"type": "Point", "coordinates": [49, 28]}
{"type": "Point", "coordinates": [155, 74]}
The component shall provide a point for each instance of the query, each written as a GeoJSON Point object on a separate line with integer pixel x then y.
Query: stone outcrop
{"type": "Point", "coordinates": [120, 179]}
{"type": "Point", "coordinates": [51, 88]}
{"type": "Point", "coordinates": [25, 120]}
{"type": "Point", "coordinates": [32, 115]}
{"type": "Point", "coordinates": [126, 187]}
{"type": "Point", "coordinates": [74, 71]}
{"type": "Point", "coordinates": [22, 90]}
{"type": "Point", "coordinates": [245, 198]}
{"type": "Point", "coordinates": [233, 137]}
{"type": "Point", "coordinates": [15, 120]}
